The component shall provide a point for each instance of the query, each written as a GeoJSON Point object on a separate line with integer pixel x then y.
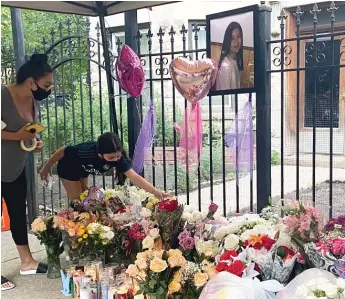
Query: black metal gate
{"type": "Point", "coordinates": [308, 62]}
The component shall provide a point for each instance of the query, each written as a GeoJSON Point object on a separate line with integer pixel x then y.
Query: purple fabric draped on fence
{"type": "Point", "coordinates": [145, 139]}
{"type": "Point", "coordinates": [239, 139]}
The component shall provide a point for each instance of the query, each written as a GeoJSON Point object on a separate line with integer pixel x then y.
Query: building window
{"type": "Point", "coordinates": [318, 81]}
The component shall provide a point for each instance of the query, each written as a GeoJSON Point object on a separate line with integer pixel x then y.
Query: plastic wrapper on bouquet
{"type": "Point", "coordinates": [292, 290]}
{"type": "Point", "coordinates": [318, 259]}
{"type": "Point", "coordinates": [276, 268]}
{"type": "Point", "coordinates": [228, 286]}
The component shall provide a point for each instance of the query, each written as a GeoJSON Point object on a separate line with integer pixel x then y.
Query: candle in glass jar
{"type": "Point", "coordinates": [85, 293]}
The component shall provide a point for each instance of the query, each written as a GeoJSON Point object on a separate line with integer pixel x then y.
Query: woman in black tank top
{"type": "Point", "coordinates": [33, 82]}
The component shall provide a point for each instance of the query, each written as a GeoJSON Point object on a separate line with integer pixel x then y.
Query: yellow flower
{"type": "Point", "coordinates": [85, 236]}
{"type": "Point", "coordinates": [84, 195]}
{"type": "Point", "coordinates": [176, 261]}
{"type": "Point", "coordinates": [157, 265]}
{"type": "Point", "coordinates": [155, 201]}
{"type": "Point", "coordinates": [132, 271]}
{"type": "Point", "coordinates": [211, 271]}
{"type": "Point", "coordinates": [149, 206]}
{"type": "Point", "coordinates": [178, 276]}
{"type": "Point", "coordinates": [80, 239]}
{"type": "Point", "coordinates": [174, 252]}
{"type": "Point", "coordinates": [174, 287]}
{"type": "Point", "coordinates": [81, 232]}
{"type": "Point", "coordinates": [200, 279]}
{"type": "Point", "coordinates": [38, 225]}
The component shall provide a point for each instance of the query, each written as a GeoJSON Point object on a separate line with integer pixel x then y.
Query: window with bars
{"type": "Point", "coordinates": [322, 84]}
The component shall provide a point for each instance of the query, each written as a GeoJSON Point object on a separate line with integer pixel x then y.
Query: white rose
{"type": "Point", "coordinates": [331, 291]}
{"type": "Point", "coordinates": [197, 216]}
{"type": "Point", "coordinates": [312, 285]}
{"type": "Point", "coordinates": [106, 228]}
{"type": "Point", "coordinates": [154, 233]}
{"type": "Point", "coordinates": [188, 209]}
{"type": "Point", "coordinates": [148, 242]}
{"type": "Point", "coordinates": [302, 292]}
{"type": "Point", "coordinates": [311, 297]}
{"type": "Point", "coordinates": [145, 213]}
{"type": "Point", "coordinates": [246, 235]}
{"type": "Point", "coordinates": [341, 283]}
{"type": "Point", "coordinates": [231, 242]}
{"type": "Point", "coordinates": [187, 217]}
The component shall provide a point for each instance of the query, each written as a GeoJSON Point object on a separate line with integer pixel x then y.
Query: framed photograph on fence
{"type": "Point", "coordinates": [231, 39]}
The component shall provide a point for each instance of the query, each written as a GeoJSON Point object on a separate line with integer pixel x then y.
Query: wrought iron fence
{"type": "Point", "coordinates": [308, 66]}
{"type": "Point", "coordinates": [78, 110]}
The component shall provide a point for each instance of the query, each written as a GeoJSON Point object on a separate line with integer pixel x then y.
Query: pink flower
{"type": "Point", "coordinates": [322, 247]}
{"type": "Point", "coordinates": [338, 246]}
{"type": "Point", "coordinates": [213, 208]}
{"type": "Point", "coordinates": [184, 235]}
{"type": "Point", "coordinates": [300, 259]}
{"type": "Point", "coordinates": [187, 243]}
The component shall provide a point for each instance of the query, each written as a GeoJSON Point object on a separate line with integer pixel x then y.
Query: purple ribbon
{"type": "Point", "coordinates": [145, 139]}
{"type": "Point", "coordinates": [239, 139]}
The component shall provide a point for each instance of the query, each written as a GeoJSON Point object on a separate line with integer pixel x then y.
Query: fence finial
{"type": "Point", "coordinates": [315, 11]}
{"type": "Point", "coordinates": [298, 15]}
{"type": "Point", "coordinates": [172, 32]}
{"type": "Point", "coordinates": [332, 8]}
{"type": "Point", "coordinates": [282, 17]}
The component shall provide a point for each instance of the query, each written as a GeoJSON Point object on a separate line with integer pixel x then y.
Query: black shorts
{"type": "Point", "coordinates": [71, 170]}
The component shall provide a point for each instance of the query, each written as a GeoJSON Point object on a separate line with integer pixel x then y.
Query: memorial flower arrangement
{"type": "Point", "coordinates": [48, 233]}
{"type": "Point", "coordinates": [154, 271]}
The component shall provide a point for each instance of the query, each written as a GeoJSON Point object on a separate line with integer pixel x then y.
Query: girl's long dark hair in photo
{"type": "Point", "coordinates": [227, 44]}
{"type": "Point", "coordinates": [109, 143]}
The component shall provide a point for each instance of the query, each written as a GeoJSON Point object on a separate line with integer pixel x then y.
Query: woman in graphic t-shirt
{"type": "Point", "coordinates": [76, 163]}
{"type": "Point", "coordinates": [231, 58]}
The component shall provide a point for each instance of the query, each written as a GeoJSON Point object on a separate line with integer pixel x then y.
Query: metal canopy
{"type": "Point", "coordinates": [86, 8]}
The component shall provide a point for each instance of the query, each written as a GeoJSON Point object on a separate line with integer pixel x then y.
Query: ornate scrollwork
{"type": "Point", "coordinates": [7, 74]}
{"type": "Point", "coordinates": [277, 51]}
{"type": "Point", "coordinates": [161, 62]}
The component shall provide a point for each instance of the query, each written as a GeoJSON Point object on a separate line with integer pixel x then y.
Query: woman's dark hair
{"type": "Point", "coordinates": [109, 143]}
{"type": "Point", "coordinates": [35, 68]}
{"type": "Point", "coordinates": [227, 44]}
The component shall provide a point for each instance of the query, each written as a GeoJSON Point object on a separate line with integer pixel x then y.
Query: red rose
{"type": "Point", "coordinates": [213, 208]}
{"type": "Point", "coordinates": [268, 242]}
{"type": "Point", "coordinates": [168, 205]}
{"type": "Point", "coordinates": [236, 268]}
{"type": "Point", "coordinates": [226, 256]}
{"type": "Point", "coordinates": [120, 211]}
{"type": "Point", "coordinates": [221, 267]}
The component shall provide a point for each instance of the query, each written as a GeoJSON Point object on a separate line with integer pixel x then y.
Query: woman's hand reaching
{"type": "Point", "coordinates": [160, 194]}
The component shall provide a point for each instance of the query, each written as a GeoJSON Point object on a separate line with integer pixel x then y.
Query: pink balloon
{"type": "Point", "coordinates": [130, 72]}
{"type": "Point", "coordinates": [193, 78]}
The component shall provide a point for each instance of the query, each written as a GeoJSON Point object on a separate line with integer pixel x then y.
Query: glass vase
{"type": "Point", "coordinates": [53, 260]}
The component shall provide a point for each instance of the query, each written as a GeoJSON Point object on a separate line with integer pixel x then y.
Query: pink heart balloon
{"type": "Point", "coordinates": [193, 78]}
{"type": "Point", "coordinates": [130, 72]}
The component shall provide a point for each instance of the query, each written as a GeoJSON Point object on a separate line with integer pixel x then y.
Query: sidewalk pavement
{"type": "Point", "coordinates": [32, 286]}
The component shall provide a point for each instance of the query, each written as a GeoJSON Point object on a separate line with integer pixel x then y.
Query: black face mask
{"type": "Point", "coordinates": [40, 94]}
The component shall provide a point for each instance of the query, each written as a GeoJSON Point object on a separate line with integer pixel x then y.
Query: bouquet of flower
{"type": "Point", "coordinates": [303, 222]}
{"type": "Point", "coordinates": [47, 231]}
{"type": "Point", "coordinates": [154, 271]}
{"type": "Point", "coordinates": [83, 236]}
{"type": "Point", "coordinates": [168, 215]}
{"type": "Point", "coordinates": [321, 288]}
{"type": "Point", "coordinates": [189, 281]}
